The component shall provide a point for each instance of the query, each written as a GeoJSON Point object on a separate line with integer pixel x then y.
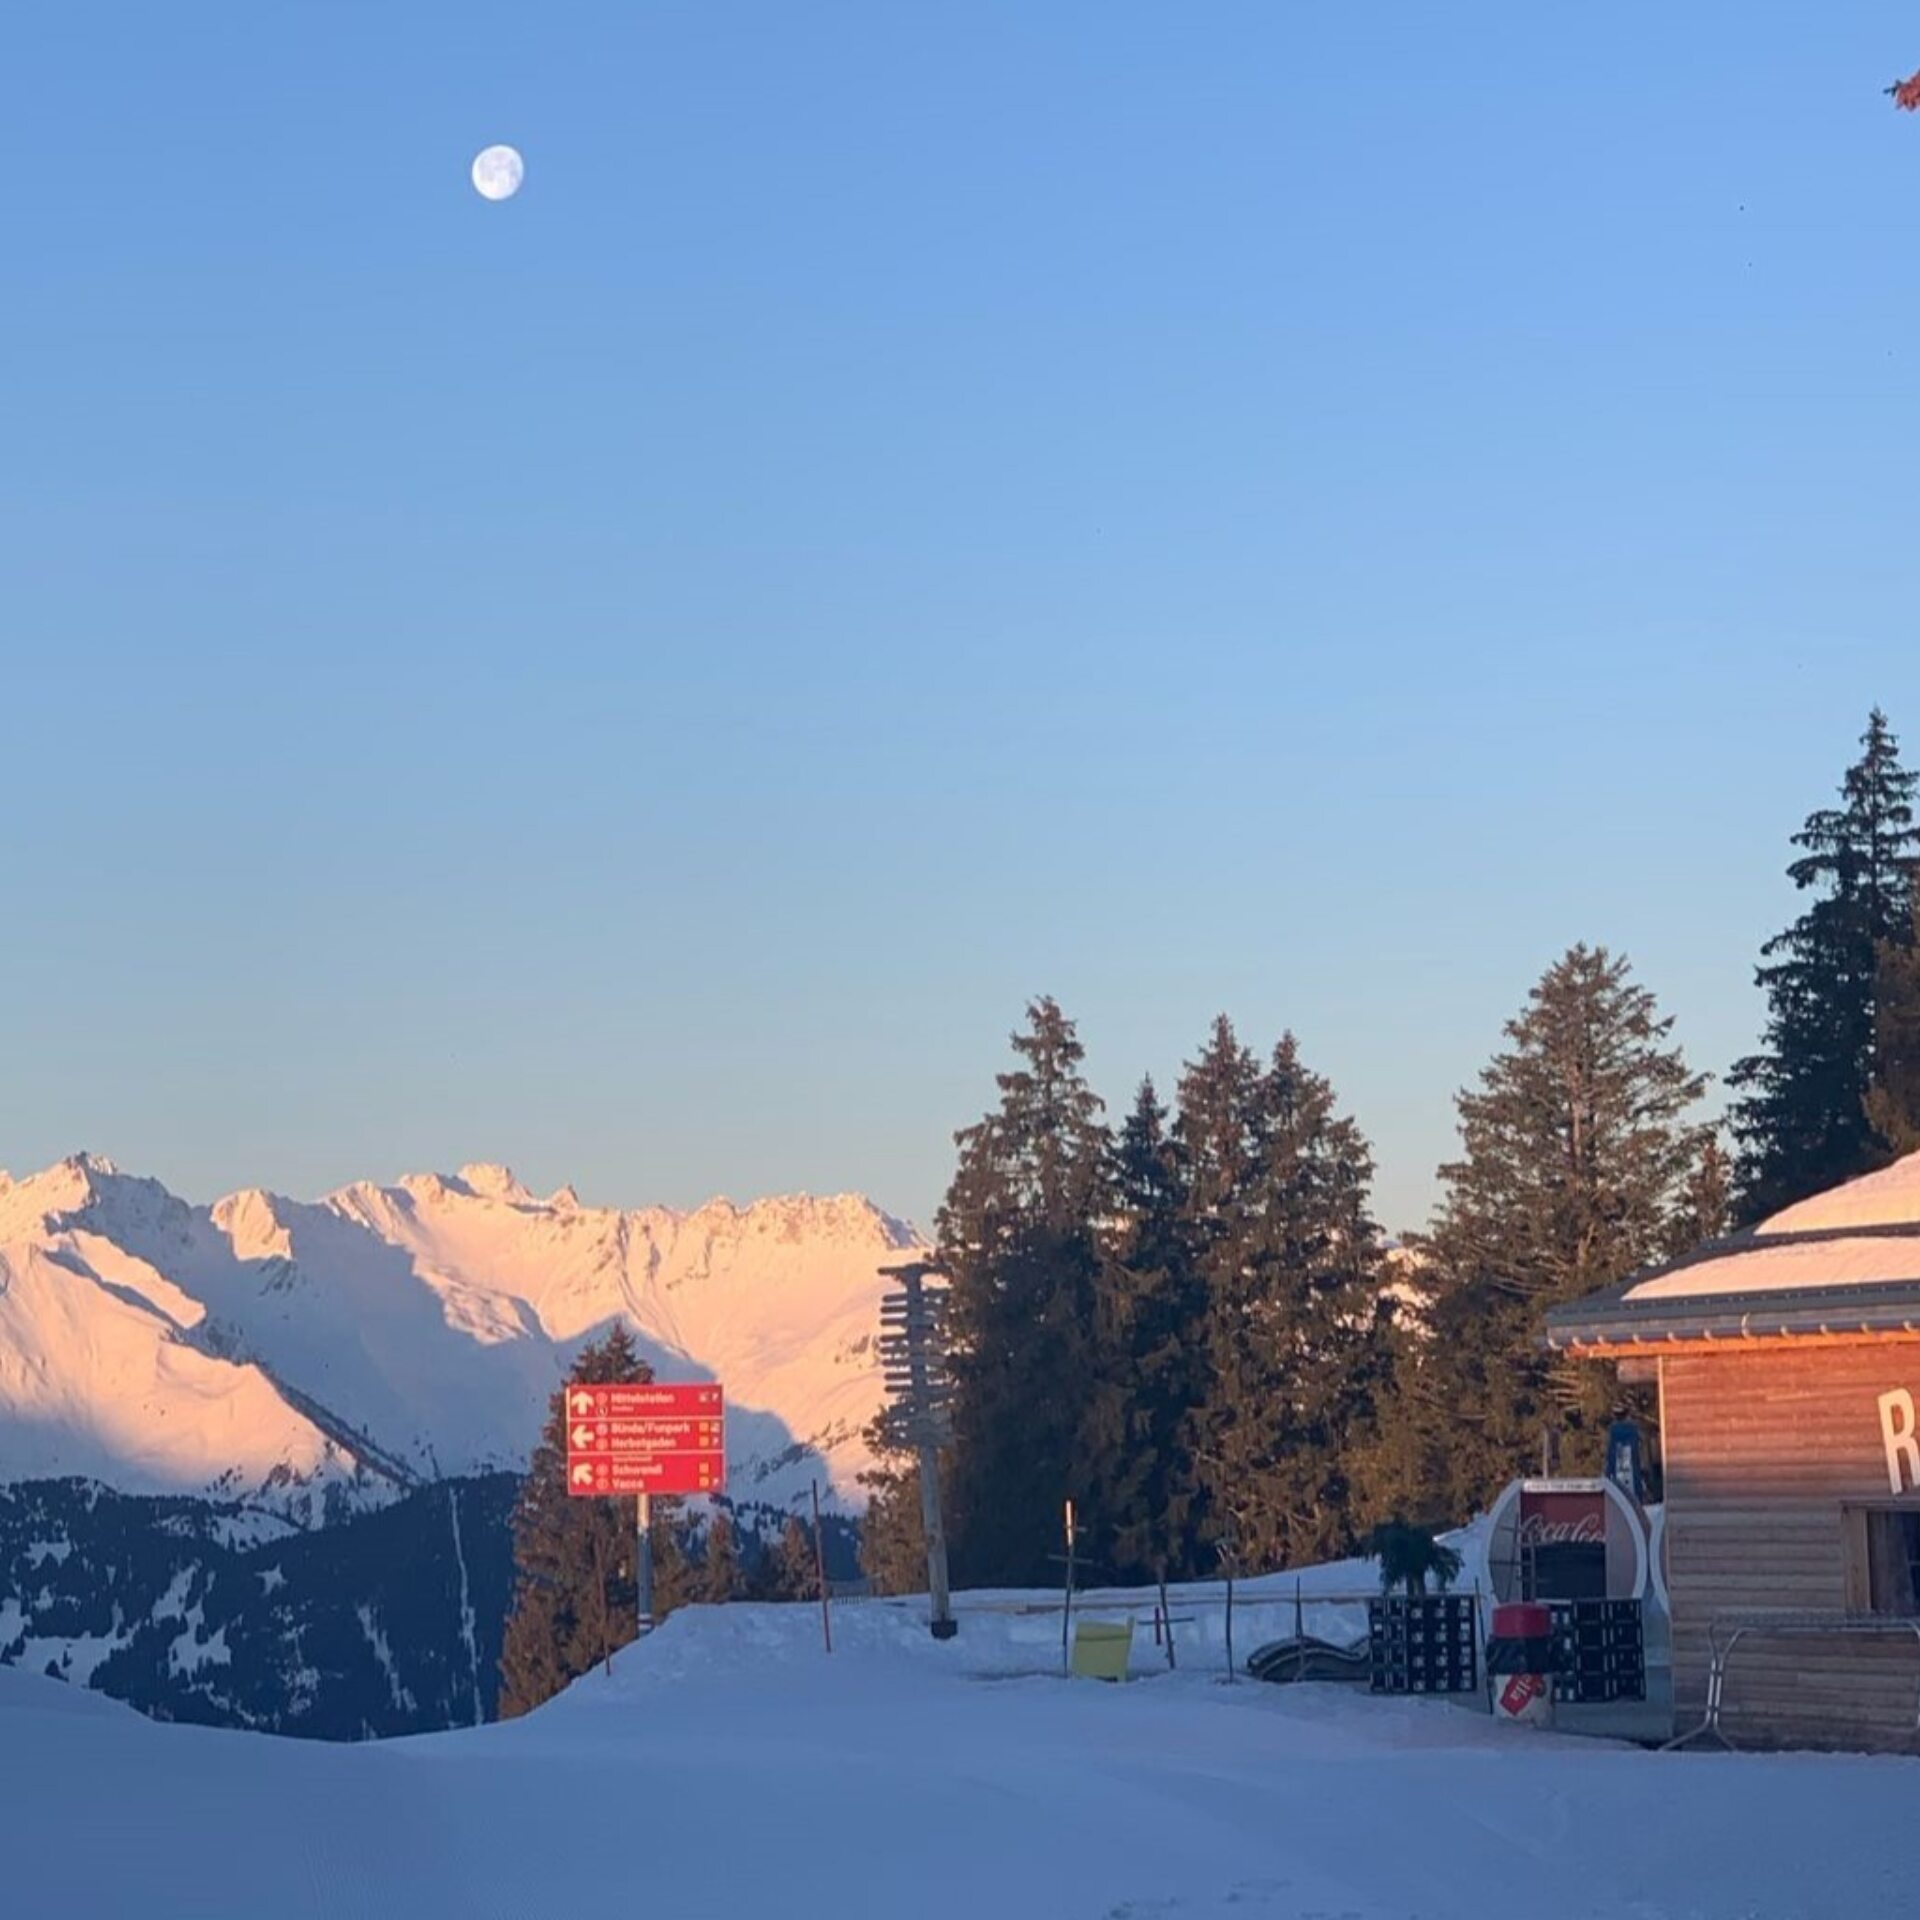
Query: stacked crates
{"type": "Point", "coordinates": [1423, 1643]}
{"type": "Point", "coordinates": [1599, 1651]}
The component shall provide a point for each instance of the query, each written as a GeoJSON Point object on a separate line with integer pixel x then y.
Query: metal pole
{"type": "Point", "coordinates": [820, 1568]}
{"type": "Point", "coordinates": [643, 1561]}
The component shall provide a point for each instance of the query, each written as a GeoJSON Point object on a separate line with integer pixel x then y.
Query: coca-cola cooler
{"type": "Point", "coordinates": [1581, 1548]}
{"type": "Point", "coordinates": [1566, 1540]}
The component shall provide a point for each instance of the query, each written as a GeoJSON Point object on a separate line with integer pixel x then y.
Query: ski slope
{"type": "Point", "coordinates": [730, 1767]}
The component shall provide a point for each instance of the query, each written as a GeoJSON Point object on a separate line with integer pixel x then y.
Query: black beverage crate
{"type": "Point", "coordinates": [1423, 1643]}
{"type": "Point", "coordinates": [1598, 1651]}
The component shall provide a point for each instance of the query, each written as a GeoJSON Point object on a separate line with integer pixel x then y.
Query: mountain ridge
{"type": "Point", "coordinates": [321, 1356]}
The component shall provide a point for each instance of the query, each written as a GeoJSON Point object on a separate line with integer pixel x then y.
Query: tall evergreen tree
{"type": "Point", "coordinates": [893, 1545]}
{"type": "Point", "coordinates": [1288, 1261]}
{"type": "Point", "coordinates": [1148, 1367]}
{"type": "Point", "coordinates": [893, 1541]}
{"type": "Point", "coordinates": [676, 1559]}
{"type": "Point", "coordinates": [1706, 1208]}
{"type": "Point", "coordinates": [1578, 1152]}
{"type": "Point", "coordinates": [720, 1576]}
{"type": "Point", "coordinates": [797, 1569]}
{"type": "Point", "coordinates": [1802, 1121]}
{"type": "Point", "coordinates": [574, 1597]}
{"type": "Point", "coordinates": [1018, 1234]}
{"type": "Point", "coordinates": [1893, 1100]}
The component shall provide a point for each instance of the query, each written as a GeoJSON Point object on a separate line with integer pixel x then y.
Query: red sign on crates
{"type": "Point", "coordinates": [646, 1439]}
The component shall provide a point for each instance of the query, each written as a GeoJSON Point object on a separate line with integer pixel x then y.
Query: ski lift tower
{"type": "Point", "coordinates": [913, 1353]}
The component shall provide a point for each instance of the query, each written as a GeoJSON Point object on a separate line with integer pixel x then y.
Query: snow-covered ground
{"type": "Point", "coordinates": [731, 1767]}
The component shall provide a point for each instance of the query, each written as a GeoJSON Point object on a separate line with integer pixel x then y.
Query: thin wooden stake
{"type": "Point", "coordinates": [820, 1569]}
{"type": "Point", "coordinates": [1230, 1672]}
{"type": "Point", "coordinates": [1172, 1661]}
{"type": "Point", "coordinates": [1066, 1610]}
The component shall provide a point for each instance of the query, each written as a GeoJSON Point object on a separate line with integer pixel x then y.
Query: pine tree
{"type": "Point", "coordinates": [676, 1559]}
{"type": "Point", "coordinates": [720, 1577]}
{"type": "Point", "coordinates": [1288, 1260]}
{"type": "Point", "coordinates": [1148, 1368]}
{"type": "Point", "coordinates": [1017, 1232]}
{"type": "Point", "coordinates": [574, 1597]}
{"type": "Point", "coordinates": [1578, 1153]}
{"type": "Point", "coordinates": [1705, 1211]}
{"type": "Point", "coordinates": [796, 1569]}
{"type": "Point", "coordinates": [1802, 1121]}
{"type": "Point", "coordinates": [1397, 1467]}
{"type": "Point", "coordinates": [1893, 1100]}
{"type": "Point", "coordinates": [893, 1540]}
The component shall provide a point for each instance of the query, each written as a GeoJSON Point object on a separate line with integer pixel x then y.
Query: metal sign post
{"type": "Point", "coordinates": [913, 1352]}
{"type": "Point", "coordinates": [643, 1438]}
{"type": "Point", "coordinates": [643, 1560]}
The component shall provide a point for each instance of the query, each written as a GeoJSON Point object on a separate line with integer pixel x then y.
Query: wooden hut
{"type": "Point", "coordinates": [1788, 1366]}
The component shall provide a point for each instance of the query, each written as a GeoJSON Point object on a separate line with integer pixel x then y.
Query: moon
{"type": "Point", "coordinates": [497, 173]}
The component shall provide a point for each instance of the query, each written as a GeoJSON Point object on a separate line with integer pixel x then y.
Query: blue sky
{"type": "Point", "coordinates": [1304, 511]}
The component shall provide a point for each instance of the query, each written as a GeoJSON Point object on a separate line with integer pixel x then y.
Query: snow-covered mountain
{"type": "Point", "coordinates": [323, 1357]}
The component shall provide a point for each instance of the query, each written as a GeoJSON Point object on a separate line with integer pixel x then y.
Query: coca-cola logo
{"type": "Point", "coordinates": [1536, 1530]}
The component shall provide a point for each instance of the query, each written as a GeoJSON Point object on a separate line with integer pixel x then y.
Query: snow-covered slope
{"type": "Point", "coordinates": [389, 1334]}
{"type": "Point", "coordinates": [899, 1776]}
{"type": "Point", "coordinates": [106, 1370]}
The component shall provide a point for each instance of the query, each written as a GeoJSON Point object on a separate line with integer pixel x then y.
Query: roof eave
{"type": "Point", "coordinates": [1821, 1313]}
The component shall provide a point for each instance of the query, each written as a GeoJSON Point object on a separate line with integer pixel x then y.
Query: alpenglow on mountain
{"type": "Point", "coordinates": [319, 1358]}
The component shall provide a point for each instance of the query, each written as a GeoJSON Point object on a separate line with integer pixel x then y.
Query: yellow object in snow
{"type": "Point", "coordinates": [1101, 1649]}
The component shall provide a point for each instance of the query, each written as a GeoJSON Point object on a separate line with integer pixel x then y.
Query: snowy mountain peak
{"type": "Point", "coordinates": [81, 1184]}
{"type": "Point", "coordinates": [408, 1331]}
{"type": "Point", "coordinates": [493, 1182]}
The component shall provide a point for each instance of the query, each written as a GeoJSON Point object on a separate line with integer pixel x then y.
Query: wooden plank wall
{"type": "Point", "coordinates": [1765, 1448]}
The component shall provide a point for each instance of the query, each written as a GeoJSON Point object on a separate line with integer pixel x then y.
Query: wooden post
{"type": "Point", "coordinates": [1066, 1610]}
{"type": "Point", "coordinates": [1230, 1672]}
{"type": "Point", "coordinates": [820, 1569]}
{"type": "Point", "coordinates": [940, 1605]}
{"type": "Point", "coordinates": [1172, 1660]}
{"type": "Point", "coordinates": [924, 1422]}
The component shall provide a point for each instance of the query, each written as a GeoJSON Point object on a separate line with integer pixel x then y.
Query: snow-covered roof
{"type": "Point", "coordinates": [1844, 1260]}
{"type": "Point", "coordinates": [1889, 1198]}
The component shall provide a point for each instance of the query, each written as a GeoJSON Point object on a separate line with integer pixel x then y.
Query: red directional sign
{"type": "Point", "coordinates": [631, 1402]}
{"type": "Point", "coordinates": [646, 1439]}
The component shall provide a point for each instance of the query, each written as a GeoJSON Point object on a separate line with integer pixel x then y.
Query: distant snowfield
{"type": "Point", "coordinates": [731, 1767]}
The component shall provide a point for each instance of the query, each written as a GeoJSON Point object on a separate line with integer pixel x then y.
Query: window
{"type": "Point", "coordinates": [1884, 1551]}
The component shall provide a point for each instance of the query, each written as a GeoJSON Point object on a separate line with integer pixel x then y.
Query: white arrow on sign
{"type": "Point", "coordinates": [583, 1437]}
{"type": "Point", "coordinates": [582, 1403]}
{"type": "Point", "coordinates": [583, 1475]}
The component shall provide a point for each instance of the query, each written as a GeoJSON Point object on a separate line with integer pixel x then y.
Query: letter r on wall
{"type": "Point", "coordinates": [1896, 1432]}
